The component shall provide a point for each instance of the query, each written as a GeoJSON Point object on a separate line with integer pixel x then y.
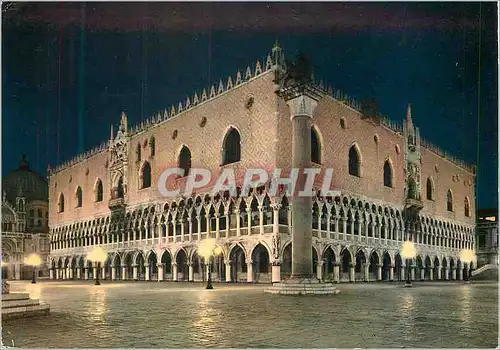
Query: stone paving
{"type": "Point", "coordinates": [161, 315]}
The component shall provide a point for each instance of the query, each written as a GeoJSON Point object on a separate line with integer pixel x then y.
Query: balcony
{"type": "Point", "coordinates": [116, 203]}
{"type": "Point", "coordinates": [414, 204]}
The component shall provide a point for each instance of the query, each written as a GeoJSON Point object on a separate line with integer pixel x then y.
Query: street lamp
{"type": "Point", "coordinates": [97, 256]}
{"type": "Point", "coordinates": [467, 256]}
{"type": "Point", "coordinates": [33, 260]}
{"type": "Point", "coordinates": [207, 249]}
{"type": "Point", "coordinates": [408, 252]}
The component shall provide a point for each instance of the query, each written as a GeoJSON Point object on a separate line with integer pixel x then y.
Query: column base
{"type": "Point", "coordinates": [302, 286]}
{"type": "Point", "coordinates": [408, 284]}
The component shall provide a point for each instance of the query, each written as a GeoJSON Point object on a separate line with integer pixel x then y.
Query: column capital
{"type": "Point", "coordinates": [159, 265]}
{"type": "Point", "coordinates": [276, 263]}
{"type": "Point", "coordinates": [301, 100]}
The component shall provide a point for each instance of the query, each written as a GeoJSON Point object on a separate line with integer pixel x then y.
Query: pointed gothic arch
{"type": "Point", "coordinates": [184, 160]}
{"type": "Point", "coordinates": [315, 146]}
{"type": "Point", "coordinates": [60, 203]}
{"type": "Point", "coordinates": [231, 147]}
{"type": "Point", "coordinates": [78, 197]}
{"type": "Point", "coordinates": [449, 200]}
{"type": "Point", "coordinates": [98, 190]}
{"type": "Point", "coordinates": [430, 189]}
{"type": "Point", "coordinates": [354, 161]}
{"type": "Point", "coordinates": [388, 173]}
{"type": "Point", "coordinates": [145, 177]}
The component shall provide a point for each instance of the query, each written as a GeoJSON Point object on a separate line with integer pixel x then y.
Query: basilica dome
{"type": "Point", "coordinates": [30, 183]}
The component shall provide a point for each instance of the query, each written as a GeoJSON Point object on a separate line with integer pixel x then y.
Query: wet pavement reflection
{"type": "Point", "coordinates": [161, 315]}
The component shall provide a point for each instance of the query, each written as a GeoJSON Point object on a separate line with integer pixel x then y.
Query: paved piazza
{"type": "Point", "coordinates": [161, 315]}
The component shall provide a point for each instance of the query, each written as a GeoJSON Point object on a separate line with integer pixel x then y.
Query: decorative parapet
{"type": "Point", "coordinates": [79, 158]}
{"type": "Point", "coordinates": [217, 89]}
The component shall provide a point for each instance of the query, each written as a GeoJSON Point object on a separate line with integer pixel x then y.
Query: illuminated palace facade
{"type": "Point", "coordinates": [393, 187]}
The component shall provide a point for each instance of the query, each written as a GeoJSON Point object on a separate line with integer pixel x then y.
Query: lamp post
{"type": "Point", "coordinates": [97, 256]}
{"type": "Point", "coordinates": [207, 249]}
{"type": "Point", "coordinates": [35, 261]}
{"type": "Point", "coordinates": [467, 256]}
{"type": "Point", "coordinates": [408, 252]}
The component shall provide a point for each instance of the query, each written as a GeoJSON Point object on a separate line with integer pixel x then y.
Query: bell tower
{"type": "Point", "coordinates": [117, 168]}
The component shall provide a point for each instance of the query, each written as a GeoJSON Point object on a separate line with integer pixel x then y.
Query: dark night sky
{"type": "Point", "coordinates": [89, 62]}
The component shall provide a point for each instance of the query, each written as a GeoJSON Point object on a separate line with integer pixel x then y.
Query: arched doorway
{"type": "Point", "coordinates": [182, 266]}
{"type": "Point", "coordinates": [261, 265]}
{"type": "Point", "coordinates": [129, 270]}
{"type": "Point", "coordinates": [386, 265]}
{"type": "Point", "coordinates": [373, 268]}
{"type": "Point", "coordinates": [419, 266]}
{"type": "Point", "coordinates": [90, 270]}
{"type": "Point", "coordinates": [398, 268]}
{"type": "Point", "coordinates": [328, 266]}
{"type": "Point", "coordinates": [118, 268]}
{"type": "Point", "coordinates": [218, 267]}
{"type": "Point", "coordinates": [81, 268]}
{"type": "Point", "coordinates": [153, 269]}
{"type": "Point", "coordinates": [346, 264]}
{"type": "Point", "coordinates": [197, 262]}
{"type": "Point", "coordinates": [360, 266]}
{"type": "Point", "coordinates": [238, 264]}
{"type": "Point", "coordinates": [453, 273]}
{"type": "Point", "coordinates": [286, 264]}
{"type": "Point", "coordinates": [166, 261]}
{"type": "Point", "coordinates": [428, 269]}
{"type": "Point", "coordinates": [314, 261]}
{"type": "Point", "coordinates": [139, 262]}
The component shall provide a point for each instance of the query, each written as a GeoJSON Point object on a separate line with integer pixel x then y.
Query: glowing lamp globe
{"type": "Point", "coordinates": [97, 255]}
{"type": "Point", "coordinates": [206, 248]}
{"type": "Point", "coordinates": [33, 260]}
{"type": "Point", "coordinates": [408, 250]}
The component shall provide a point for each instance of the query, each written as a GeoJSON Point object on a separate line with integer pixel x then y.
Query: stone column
{"type": "Point", "coordinates": [431, 274]}
{"type": "Point", "coordinates": [124, 273]}
{"type": "Point", "coordinates": [174, 272]}
{"type": "Point", "coordinates": [379, 272]}
{"type": "Point", "coordinates": [336, 273]}
{"type": "Point", "coordinates": [366, 268]}
{"type": "Point", "coordinates": [228, 271]}
{"type": "Point", "coordinates": [412, 276]}
{"type": "Point", "coordinates": [79, 273]}
{"type": "Point", "coordinates": [160, 272]}
{"type": "Point", "coordinates": [135, 273]}
{"type": "Point", "coordinates": [70, 273]}
{"type": "Point", "coordinates": [439, 273]}
{"type": "Point", "coordinates": [319, 270]}
{"type": "Point", "coordinates": [454, 273]}
{"type": "Point", "coordinates": [51, 275]}
{"type": "Point", "coordinates": [94, 274]}
{"type": "Point", "coordinates": [352, 273]}
{"type": "Point", "coordinates": [460, 274]}
{"type": "Point", "coordinates": [250, 272]}
{"type": "Point", "coordinates": [86, 273]}
{"type": "Point", "coordinates": [57, 273]}
{"type": "Point", "coordinates": [276, 272]}
{"type": "Point", "coordinates": [113, 273]}
{"type": "Point", "coordinates": [191, 273]}
{"type": "Point", "coordinates": [422, 274]}
{"type": "Point", "coordinates": [146, 277]}
{"type": "Point", "coordinates": [447, 273]}
{"type": "Point", "coordinates": [391, 273]}
{"type": "Point", "coordinates": [302, 105]}
{"type": "Point", "coordinates": [103, 273]}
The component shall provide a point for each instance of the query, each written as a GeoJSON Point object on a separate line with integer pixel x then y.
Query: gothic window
{"type": "Point", "coordinates": [98, 191]}
{"type": "Point", "coordinates": [412, 189]}
{"type": "Point", "coordinates": [61, 203]}
{"type": "Point", "coordinates": [430, 189]}
{"type": "Point", "coordinates": [184, 161]}
{"type": "Point", "coordinates": [119, 188]}
{"type": "Point", "coordinates": [79, 197]}
{"type": "Point", "coordinates": [315, 147]}
{"type": "Point", "coordinates": [354, 163]}
{"type": "Point", "coordinates": [449, 201]}
{"type": "Point", "coordinates": [138, 152]}
{"type": "Point", "coordinates": [387, 174]}
{"type": "Point", "coordinates": [146, 175]}
{"type": "Point", "coordinates": [231, 149]}
{"type": "Point", "coordinates": [39, 212]}
{"type": "Point", "coordinates": [466, 207]}
{"type": "Point", "coordinates": [152, 145]}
